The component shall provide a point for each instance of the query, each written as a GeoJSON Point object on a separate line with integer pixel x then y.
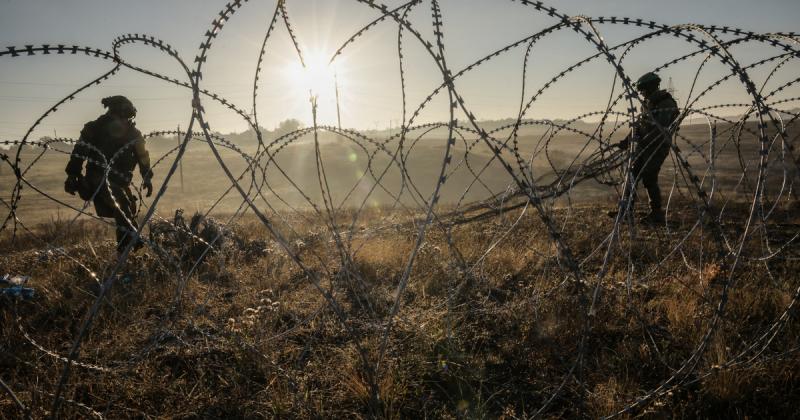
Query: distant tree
{"type": "Point", "coordinates": [287, 126]}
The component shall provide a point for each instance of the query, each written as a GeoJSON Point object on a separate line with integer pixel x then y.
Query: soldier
{"type": "Point", "coordinates": [113, 147]}
{"type": "Point", "coordinates": [652, 137]}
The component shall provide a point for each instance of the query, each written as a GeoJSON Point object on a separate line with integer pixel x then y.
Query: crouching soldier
{"type": "Point", "coordinates": [112, 147]}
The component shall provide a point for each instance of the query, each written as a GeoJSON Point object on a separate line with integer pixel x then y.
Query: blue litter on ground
{"type": "Point", "coordinates": [18, 292]}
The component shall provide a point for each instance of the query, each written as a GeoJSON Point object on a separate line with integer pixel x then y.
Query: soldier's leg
{"type": "Point", "coordinates": [637, 172]}
{"type": "Point", "coordinates": [104, 206]}
{"type": "Point", "coordinates": [124, 216]}
{"type": "Point", "coordinates": [650, 181]}
{"type": "Point", "coordinates": [650, 177]}
{"type": "Point", "coordinates": [103, 203]}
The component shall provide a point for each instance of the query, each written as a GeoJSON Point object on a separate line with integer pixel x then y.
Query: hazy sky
{"type": "Point", "coordinates": [368, 71]}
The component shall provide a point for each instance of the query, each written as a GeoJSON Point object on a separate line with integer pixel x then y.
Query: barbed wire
{"type": "Point", "coordinates": [735, 214]}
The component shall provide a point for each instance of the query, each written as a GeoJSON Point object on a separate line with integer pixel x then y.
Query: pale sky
{"type": "Point", "coordinates": [368, 73]}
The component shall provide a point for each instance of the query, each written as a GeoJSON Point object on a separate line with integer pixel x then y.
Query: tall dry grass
{"type": "Point", "coordinates": [247, 335]}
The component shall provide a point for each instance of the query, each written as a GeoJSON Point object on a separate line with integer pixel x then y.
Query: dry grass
{"type": "Point", "coordinates": [248, 336]}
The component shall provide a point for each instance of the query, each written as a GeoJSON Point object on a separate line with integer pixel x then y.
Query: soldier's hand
{"type": "Point", "coordinates": [623, 144]}
{"type": "Point", "coordinates": [148, 187]}
{"type": "Point", "coordinates": [72, 184]}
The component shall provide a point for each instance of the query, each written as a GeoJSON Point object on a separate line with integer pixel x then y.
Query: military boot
{"type": "Point", "coordinates": [124, 237]}
{"type": "Point", "coordinates": [655, 217]}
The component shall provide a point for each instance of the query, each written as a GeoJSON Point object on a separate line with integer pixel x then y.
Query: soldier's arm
{"type": "Point", "coordinates": [79, 153]}
{"type": "Point", "coordinates": [142, 157]}
{"type": "Point", "coordinates": [638, 129]}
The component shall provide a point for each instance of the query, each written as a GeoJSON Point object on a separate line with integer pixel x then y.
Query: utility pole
{"type": "Point", "coordinates": [671, 88]}
{"type": "Point", "coordinates": [336, 85]}
{"type": "Point", "coordinates": [180, 164]}
{"type": "Point", "coordinates": [674, 93]}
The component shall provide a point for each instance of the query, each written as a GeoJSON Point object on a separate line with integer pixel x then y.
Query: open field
{"type": "Point", "coordinates": [247, 335]}
{"type": "Point", "coordinates": [286, 178]}
{"type": "Point", "coordinates": [492, 322]}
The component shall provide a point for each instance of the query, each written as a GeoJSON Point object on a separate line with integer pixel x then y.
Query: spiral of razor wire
{"type": "Point", "coordinates": [544, 193]}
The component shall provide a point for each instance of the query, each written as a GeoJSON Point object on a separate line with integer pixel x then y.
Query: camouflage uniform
{"type": "Point", "coordinates": [659, 112]}
{"type": "Point", "coordinates": [106, 138]}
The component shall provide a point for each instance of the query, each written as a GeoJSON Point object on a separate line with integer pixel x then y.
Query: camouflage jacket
{"type": "Point", "coordinates": [108, 138]}
{"type": "Point", "coordinates": [657, 110]}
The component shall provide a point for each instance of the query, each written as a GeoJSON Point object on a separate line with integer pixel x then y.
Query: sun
{"type": "Point", "coordinates": [318, 78]}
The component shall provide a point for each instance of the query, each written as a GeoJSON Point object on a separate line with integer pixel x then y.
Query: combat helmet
{"type": "Point", "coordinates": [119, 105]}
{"type": "Point", "coordinates": [647, 79]}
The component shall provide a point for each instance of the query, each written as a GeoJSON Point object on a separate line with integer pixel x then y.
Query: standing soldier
{"type": "Point", "coordinates": [652, 137]}
{"type": "Point", "coordinates": [112, 147]}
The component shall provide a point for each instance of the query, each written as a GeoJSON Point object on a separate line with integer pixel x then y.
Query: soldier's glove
{"type": "Point", "coordinates": [624, 144]}
{"type": "Point", "coordinates": [72, 184]}
{"type": "Point", "coordinates": [148, 187]}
